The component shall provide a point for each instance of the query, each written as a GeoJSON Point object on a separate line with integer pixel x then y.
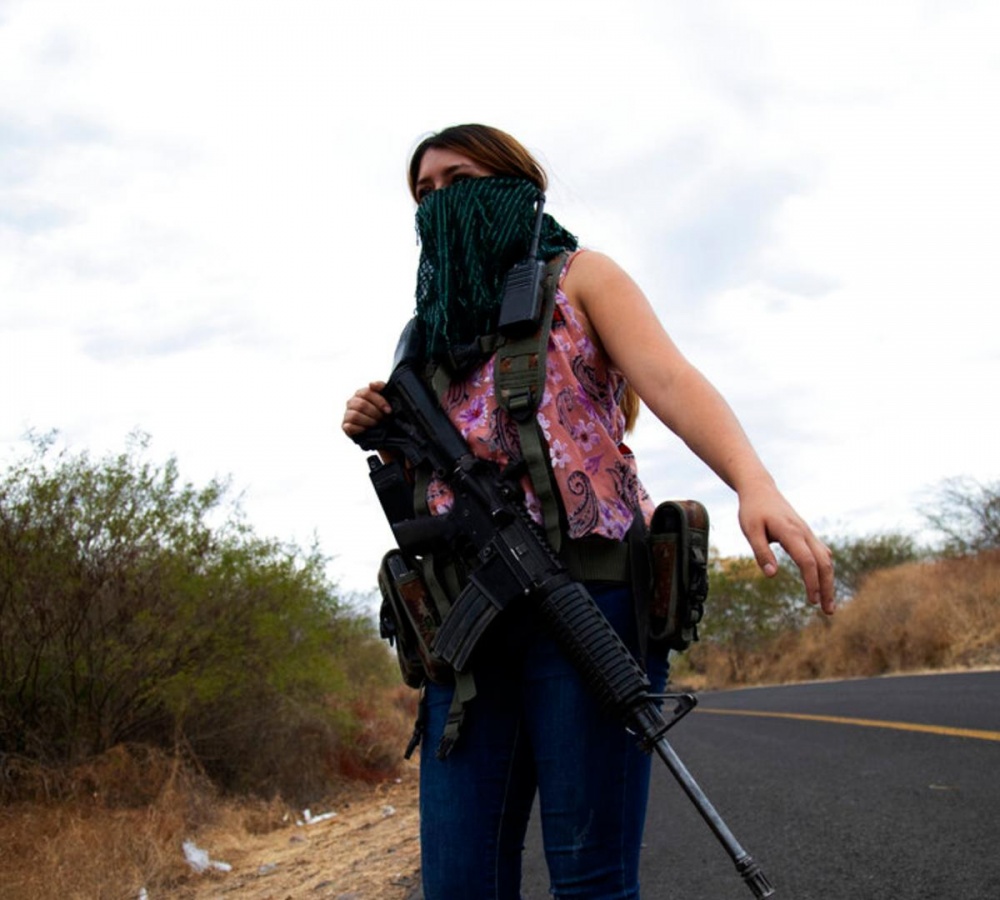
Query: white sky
{"type": "Point", "coordinates": [205, 232]}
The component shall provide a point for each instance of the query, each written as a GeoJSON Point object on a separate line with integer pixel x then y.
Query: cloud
{"type": "Point", "coordinates": [114, 342]}
{"type": "Point", "coordinates": [26, 208]}
{"type": "Point", "coordinates": [717, 238]}
{"type": "Point", "coordinates": [204, 231]}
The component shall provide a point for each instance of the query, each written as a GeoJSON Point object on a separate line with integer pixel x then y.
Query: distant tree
{"type": "Point", "coordinates": [966, 513]}
{"type": "Point", "coordinates": [857, 557]}
{"type": "Point", "coordinates": [746, 609]}
{"type": "Point", "coordinates": [137, 607]}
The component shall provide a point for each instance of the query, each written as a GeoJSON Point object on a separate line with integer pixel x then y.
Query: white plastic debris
{"type": "Point", "coordinates": [142, 894]}
{"type": "Point", "coordinates": [388, 811]}
{"type": "Point", "coordinates": [200, 861]}
{"type": "Point", "coordinates": [309, 819]}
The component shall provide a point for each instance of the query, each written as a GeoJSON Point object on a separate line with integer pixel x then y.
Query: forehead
{"type": "Point", "coordinates": [436, 160]}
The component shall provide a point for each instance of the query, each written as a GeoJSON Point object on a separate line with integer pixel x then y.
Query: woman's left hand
{"type": "Point", "coordinates": [766, 517]}
{"type": "Point", "coordinates": [365, 409]}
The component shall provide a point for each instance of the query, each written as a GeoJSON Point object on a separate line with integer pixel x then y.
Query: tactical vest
{"type": "Point", "coordinates": [417, 593]}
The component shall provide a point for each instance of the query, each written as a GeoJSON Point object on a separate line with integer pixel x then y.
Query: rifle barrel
{"type": "Point", "coordinates": [748, 869]}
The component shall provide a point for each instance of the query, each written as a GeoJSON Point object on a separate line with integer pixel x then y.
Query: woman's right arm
{"type": "Point", "coordinates": [365, 408]}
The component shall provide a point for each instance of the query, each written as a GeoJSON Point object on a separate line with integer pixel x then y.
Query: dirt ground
{"type": "Point", "coordinates": [370, 850]}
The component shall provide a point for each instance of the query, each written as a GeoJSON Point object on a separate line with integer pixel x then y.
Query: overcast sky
{"type": "Point", "coordinates": [205, 232]}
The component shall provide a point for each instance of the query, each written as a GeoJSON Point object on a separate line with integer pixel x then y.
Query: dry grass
{"type": "Point", "coordinates": [370, 850]}
{"type": "Point", "coordinates": [102, 830]}
{"type": "Point", "coordinates": [80, 850]}
{"type": "Point", "coordinates": [106, 829]}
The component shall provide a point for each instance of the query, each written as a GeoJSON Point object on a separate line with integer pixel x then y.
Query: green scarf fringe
{"type": "Point", "coordinates": [471, 233]}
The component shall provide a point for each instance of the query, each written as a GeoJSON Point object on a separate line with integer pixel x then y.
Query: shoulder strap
{"type": "Point", "coordinates": [519, 379]}
{"type": "Point", "coordinates": [519, 371]}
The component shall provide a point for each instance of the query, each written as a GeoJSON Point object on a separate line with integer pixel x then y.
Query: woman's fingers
{"type": "Point", "coordinates": [766, 525]}
{"type": "Point", "coordinates": [365, 408]}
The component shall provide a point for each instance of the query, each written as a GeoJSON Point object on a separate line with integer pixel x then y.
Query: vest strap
{"type": "Point", "coordinates": [519, 370]}
{"type": "Point", "coordinates": [465, 690]}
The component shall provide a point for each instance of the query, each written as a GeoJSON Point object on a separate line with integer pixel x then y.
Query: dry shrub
{"type": "Point", "coordinates": [917, 616]}
{"type": "Point", "coordinates": [302, 757]}
{"type": "Point", "coordinates": [922, 615]}
{"type": "Point", "coordinates": [258, 816]}
{"type": "Point", "coordinates": [126, 776]}
{"type": "Point", "coordinates": [148, 842]}
{"type": "Point", "coordinates": [117, 826]}
{"type": "Point", "coordinates": [23, 778]}
{"type": "Point", "coordinates": [973, 607]}
{"type": "Point", "coordinates": [109, 826]}
{"type": "Point", "coordinates": [375, 751]}
{"type": "Point", "coordinates": [282, 755]}
{"type": "Point", "coordinates": [804, 655]}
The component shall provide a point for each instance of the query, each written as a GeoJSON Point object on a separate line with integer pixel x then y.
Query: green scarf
{"type": "Point", "coordinates": [471, 233]}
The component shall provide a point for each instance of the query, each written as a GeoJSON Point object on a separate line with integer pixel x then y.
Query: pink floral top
{"type": "Point", "coordinates": [594, 471]}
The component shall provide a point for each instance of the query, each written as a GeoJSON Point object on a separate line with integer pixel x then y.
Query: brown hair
{"type": "Point", "coordinates": [629, 405]}
{"type": "Point", "coordinates": [497, 151]}
{"type": "Point", "coordinates": [488, 147]}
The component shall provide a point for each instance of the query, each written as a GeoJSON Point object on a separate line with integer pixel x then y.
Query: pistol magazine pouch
{"type": "Point", "coordinates": [409, 618]}
{"type": "Point", "coordinates": [678, 542]}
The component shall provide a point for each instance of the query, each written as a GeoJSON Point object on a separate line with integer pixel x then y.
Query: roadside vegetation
{"type": "Point", "coordinates": [903, 606]}
{"type": "Point", "coordinates": [163, 667]}
{"type": "Point", "coordinates": [165, 672]}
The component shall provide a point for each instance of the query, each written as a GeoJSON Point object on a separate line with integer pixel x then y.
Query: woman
{"type": "Point", "coordinates": [533, 725]}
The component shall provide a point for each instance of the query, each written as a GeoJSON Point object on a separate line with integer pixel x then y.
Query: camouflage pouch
{"type": "Point", "coordinates": [409, 619]}
{"type": "Point", "coordinates": [678, 542]}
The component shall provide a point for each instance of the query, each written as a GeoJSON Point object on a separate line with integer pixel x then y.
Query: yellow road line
{"type": "Point", "coordinates": [867, 723]}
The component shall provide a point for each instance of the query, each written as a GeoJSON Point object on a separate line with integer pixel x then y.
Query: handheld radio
{"type": "Point", "coordinates": [522, 300]}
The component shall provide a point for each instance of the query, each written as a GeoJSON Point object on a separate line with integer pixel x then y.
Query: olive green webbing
{"type": "Point", "coordinates": [519, 370]}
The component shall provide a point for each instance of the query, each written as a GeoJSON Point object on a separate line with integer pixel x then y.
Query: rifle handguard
{"type": "Point", "coordinates": [588, 638]}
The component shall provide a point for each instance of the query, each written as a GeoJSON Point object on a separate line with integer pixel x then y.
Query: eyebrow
{"type": "Point", "coordinates": [449, 171]}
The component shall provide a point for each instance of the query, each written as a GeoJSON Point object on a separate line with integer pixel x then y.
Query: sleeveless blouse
{"type": "Point", "coordinates": [595, 472]}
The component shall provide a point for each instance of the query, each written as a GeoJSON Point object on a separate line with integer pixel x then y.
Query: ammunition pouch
{"type": "Point", "coordinates": [678, 543]}
{"type": "Point", "coordinates": [409, 619]}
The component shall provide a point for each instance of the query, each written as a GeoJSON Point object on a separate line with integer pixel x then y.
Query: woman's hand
{"type": "Point", "coordinates": [367, 407]}
{"type": "Point", "coordinates": [766, 517]}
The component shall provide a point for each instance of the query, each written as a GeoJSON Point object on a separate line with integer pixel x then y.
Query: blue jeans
{"type": "Point", "coordinates": [534, 725]}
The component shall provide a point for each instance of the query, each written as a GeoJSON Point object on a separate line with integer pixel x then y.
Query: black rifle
{"type": "Point", "coordinates": [512, 558]}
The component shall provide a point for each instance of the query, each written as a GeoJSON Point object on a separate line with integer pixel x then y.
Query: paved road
{"type": "Point", "coordinates": [832, 808]}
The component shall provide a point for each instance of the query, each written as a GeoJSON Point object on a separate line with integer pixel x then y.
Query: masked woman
{"type": "Point", "coordinates": [533, 726]}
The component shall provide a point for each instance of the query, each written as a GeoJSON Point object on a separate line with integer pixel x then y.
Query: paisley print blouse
{"type": "Point", "coordinates": [594, 470]}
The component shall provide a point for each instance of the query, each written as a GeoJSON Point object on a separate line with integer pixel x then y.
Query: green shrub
{"type": "Point", "coordinates": [135, 607]}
